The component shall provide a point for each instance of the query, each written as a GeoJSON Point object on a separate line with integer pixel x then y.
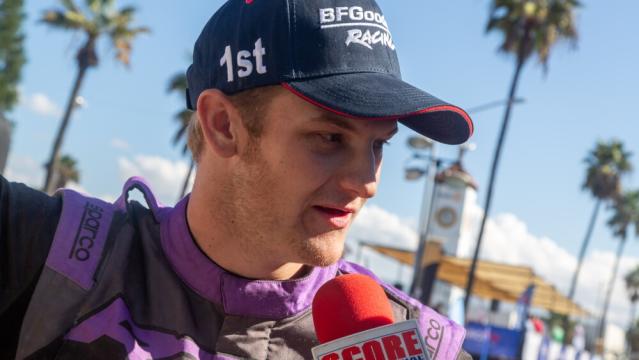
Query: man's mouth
{"type": "Point", "coordinates": [333, 211]}
{"type": "Point", "coordinates": [337, 217]}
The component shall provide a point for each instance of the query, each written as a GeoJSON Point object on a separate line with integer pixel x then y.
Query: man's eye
{"type": "Point", "coordinates": [331, 138]}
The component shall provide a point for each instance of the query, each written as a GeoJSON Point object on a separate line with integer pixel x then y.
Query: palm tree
{"type": "Point", "coordinates": [178, 85]}
{"type": "Point", "coordinates": [632, 286]}
{"type": "Point", "coordinates": [528, 27]}
{"type": "Point", "coordinates": [607, 163]}
{"type": "Point", "coordinates": [625, 213]}
{"type": "Point", "coordinates": [98, 18]}
{"type": "Point", "coordinates": [12, 59]}
{"type": "Point", "coordinates": [66, 171]}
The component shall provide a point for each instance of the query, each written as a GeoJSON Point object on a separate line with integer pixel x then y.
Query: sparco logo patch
{"type": "Point", "coordinates": [360, 21]}
{"type": "Point", "coordinates": [87, 232]}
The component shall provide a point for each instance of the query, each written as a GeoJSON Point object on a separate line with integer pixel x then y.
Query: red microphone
{"type": "Point", "coordinates": [354, 320]}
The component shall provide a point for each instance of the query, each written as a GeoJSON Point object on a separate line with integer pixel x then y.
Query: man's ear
{"type": "Point", "coordinates": [219, 121]}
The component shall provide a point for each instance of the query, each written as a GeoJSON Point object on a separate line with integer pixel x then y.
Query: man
{"type": "Point", "coordinates": [294, 101]}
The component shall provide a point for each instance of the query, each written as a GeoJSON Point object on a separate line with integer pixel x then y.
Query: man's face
{"type": "Point", "coordinates": [296, 192]}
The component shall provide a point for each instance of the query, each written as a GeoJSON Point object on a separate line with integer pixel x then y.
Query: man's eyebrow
{"type": "Point", "coordinates": [345, 125]}
{"type": "Point", "coordinates": [329, 119]}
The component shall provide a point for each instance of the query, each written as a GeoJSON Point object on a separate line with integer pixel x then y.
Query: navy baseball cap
{"type": "Point", "coordinates": [336, 54]}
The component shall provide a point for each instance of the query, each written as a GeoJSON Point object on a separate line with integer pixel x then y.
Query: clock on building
{"type": "Point", "coordinates": [446, 217]}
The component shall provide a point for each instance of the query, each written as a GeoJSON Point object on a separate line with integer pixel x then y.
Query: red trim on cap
{"type": "Point", "coordinates": [419, 112]}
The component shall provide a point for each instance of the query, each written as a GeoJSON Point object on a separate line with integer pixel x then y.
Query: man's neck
{"type": "Point", "coordinates": [227, 251]}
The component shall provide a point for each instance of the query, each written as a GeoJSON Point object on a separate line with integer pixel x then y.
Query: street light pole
{"type": "Point", "coordinates": [419, 143]}
{"type": "Point", "coordinates": [424, 223]}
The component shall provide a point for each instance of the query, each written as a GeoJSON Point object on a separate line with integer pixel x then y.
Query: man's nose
{"type": "Point", "coordinates": [360, 175]}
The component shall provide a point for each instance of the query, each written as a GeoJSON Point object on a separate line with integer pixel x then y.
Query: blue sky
{"type": "Point", "coordinates": [588, 94]}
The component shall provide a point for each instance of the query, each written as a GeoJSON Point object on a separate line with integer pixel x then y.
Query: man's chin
{"type": "Point", "coordinates": [324, 261]}
{"type": "Point", "coordinates": [323, 252]}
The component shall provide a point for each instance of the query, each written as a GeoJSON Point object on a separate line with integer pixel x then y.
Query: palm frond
{"type": "Point", "coordinates": [534, 26]}
{"type": "Point", "coordinates": [70, 5]}
{"type": "Point", "coordinates": [68, 168]}
{"type": "Point", "coordinates": [67, 20]}
{"type": "Point", "coordinates": [124, 16]}
{"type": "Point", "coordinates": [606, 164]}
{"type": "Point", "coordinates": [183, 118]}
{"type": "Point", "coordinates": [177, 83]}
{"type": "Point", "coordinates": [122, 50]}
{"type": "Point", "coordinates": [108, 4]}
{"type": "Point", "coordinates": [138, 30]}
{"type": "Point", "coordinates": [625, 213]}
{"type": "Point", "coordinates": [633, 277]}
{"type": "Point", "coordinates": [100, 18]}
{"type": "Point", "coordinates": [95, 6]}
{"type": "Point", "coordinates": [121, 38]}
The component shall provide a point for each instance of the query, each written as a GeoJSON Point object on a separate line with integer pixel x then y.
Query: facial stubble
{"type": "Point", "coordinates": [253, 211]}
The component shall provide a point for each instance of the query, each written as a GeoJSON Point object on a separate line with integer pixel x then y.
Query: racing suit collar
{"type": "Point", "coordinates": [236, 295]}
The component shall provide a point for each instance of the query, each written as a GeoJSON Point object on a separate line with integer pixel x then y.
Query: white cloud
{"type": "Point", "coordinates": [41, 104]}
{"type": "Point", "coordinates": [374, 224]}
{"type": "Point", "coordinates": [25, 170]}
{"type": "Point", "coordinates": [508, 240]}
{"type": "Point", "coordinates": [165, 177]}
{"type": "Point", "coordinates": [118, 143]}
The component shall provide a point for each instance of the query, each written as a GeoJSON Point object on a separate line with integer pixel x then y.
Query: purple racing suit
{"type": "Point", "coordinates": [125, 281]}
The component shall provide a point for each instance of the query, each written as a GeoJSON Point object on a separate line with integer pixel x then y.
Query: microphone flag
{"type": "Point", "coordinates": [399, 341]}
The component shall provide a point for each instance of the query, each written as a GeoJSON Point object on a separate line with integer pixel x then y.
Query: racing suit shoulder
{"type": "Point", "coordinates": [84, 238]}
{"type": "Point", "coordinates": [69, 269]}
{"type": "Point", "coordinates": [28, 220]}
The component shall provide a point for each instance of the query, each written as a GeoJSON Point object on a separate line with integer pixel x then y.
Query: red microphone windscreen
{"type": "Point", "coordinates": [349, 304]}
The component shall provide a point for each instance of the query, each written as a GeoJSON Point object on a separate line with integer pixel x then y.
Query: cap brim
{"type": "Point", "coordinates": [376, 96]}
